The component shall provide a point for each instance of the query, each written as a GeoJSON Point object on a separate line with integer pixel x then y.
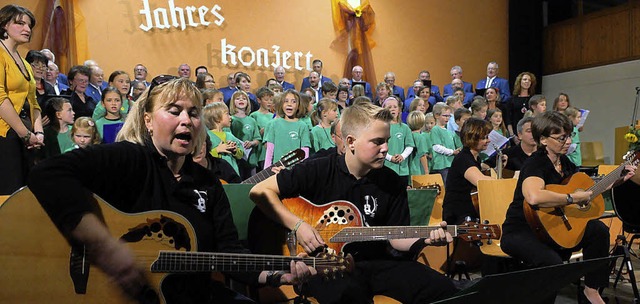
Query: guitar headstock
{"type": "Point", "coordinates": [472, 231]}
{"type": "Point", "coordinates": [632, 157]}
{"type": "Point", "coordinates": [331, 265]}
{"type": "Point", "coordinates": [292, 158]}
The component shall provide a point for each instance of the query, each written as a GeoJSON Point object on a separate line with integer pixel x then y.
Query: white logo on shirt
{"type": "Point", "coordinates": [370, 205]}
{"type": "Point", "coordinates": [201, 205]}
{"type": "Point", "coordinates": [293, 134]}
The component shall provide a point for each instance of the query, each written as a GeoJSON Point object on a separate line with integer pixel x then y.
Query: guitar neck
{"type": "Point", "coordinates": [188, 262]}
{"type": "Point", "coordinates": [262, 175]}
{"type": "Point", "coordinates": [380, 233]}
{"type": "Point", "coordinates": [606, 181]}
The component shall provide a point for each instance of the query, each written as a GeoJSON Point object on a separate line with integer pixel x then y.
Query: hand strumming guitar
{"type": "Point", "coordinates": [308, 237]}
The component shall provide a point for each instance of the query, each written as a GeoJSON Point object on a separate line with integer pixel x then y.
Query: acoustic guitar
{"type": "Point", "coordinates": [287, 161]}
{"type": "Point", "coordinates": [565, 226]}
{"type": "Point", "coordinates": [341, 222]}
{"type": "Point", "coordinates": [38, 265]}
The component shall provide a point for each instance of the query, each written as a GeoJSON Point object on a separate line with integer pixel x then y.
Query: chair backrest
{"type": "Point", "coordinates": [428, 180]}
{"type": "Point", "coordinates": [494, 197]}
{"type": "Point", "coordinates": [606, 169]}
{"type": "Point", "coordinates": [592, 153]}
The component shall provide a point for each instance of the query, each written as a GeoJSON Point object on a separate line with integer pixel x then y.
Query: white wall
{"type": "Point", "coordinates": [609, 92]}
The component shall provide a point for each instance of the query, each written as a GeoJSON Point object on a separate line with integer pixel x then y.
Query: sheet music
{"type": "Point", "coordinates": [247, 151]}
{"type": "Point", "coordinates": [497, 140]}
{"type": "Point", "coordinates": [585, 113]}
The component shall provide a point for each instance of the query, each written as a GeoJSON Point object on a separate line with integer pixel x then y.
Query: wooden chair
{"type": "Point", "coordinates": [437, 256]}
{"type": "Point", "coordinates": [592, 153]}
{"type": "Point", "coordinates": [494, 197]}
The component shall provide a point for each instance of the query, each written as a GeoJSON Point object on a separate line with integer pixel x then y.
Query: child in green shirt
{"type": "Point", "coordinates": [324, 115]}
{"type": "Point", "coordinates": [224, 144]}
{"type": "Point", "coordinates": [287, 132]}
{"type": "Point", "coordinates": [401, 142]}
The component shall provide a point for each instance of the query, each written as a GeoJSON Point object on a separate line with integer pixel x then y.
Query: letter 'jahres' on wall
{"type": "Point", "coordinates": [178, 17]}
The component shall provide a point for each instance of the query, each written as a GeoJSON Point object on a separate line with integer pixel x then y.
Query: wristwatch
{"type": "Point", "coordinates": [569, 199]}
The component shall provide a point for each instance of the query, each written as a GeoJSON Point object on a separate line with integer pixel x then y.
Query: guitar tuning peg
{"type": "Point", "coordinates": [478, 243]}
{"type": "Point", "coordinates": [486, 222]}
{"type": "Point", "coordinates": [489, 241]}
{"type": "Point", "coordinates": [467, 218]}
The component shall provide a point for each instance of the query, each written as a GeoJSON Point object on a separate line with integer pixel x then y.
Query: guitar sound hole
{"type": "Point", "coordinates": [351, 217]}
{"type": "Point", "coordinates": [341, 213]}
{"type": "Point", "coordinates": [155, 227]}
{"type": "Point", "coordinates": [331, 214]}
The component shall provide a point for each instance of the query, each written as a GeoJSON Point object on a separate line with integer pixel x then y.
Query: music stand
{"type": "Point", "coordinates": [527, 286]}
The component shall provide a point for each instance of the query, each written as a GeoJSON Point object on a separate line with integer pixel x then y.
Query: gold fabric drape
{"type": "Point", "coordinates": [65, 33]}
{"type": "Point", "coordinates": [356, 25]}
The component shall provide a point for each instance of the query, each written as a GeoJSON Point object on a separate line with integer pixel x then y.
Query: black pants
{"type": "Point", "coordinates": [522, 244]}
{"type": "Point", "coordinates": [13, 163]}
{"type": "Point", "coordinates": [405, 281]}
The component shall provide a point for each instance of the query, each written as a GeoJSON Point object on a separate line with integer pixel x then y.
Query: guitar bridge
{"type": "Point", "coordinates": [79, 268]}
{"type": "Point", "coordinates": [560, 212]}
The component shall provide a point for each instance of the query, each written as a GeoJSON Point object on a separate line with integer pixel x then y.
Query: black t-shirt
{"type": "Point", "coordinates": [380, 196]}
{"type": "Point", "coordinates": [457, 199]}
{"type": "Point", "coordinates": [538, 165]}
{"type": "Point", "coordinates": [516, 107]}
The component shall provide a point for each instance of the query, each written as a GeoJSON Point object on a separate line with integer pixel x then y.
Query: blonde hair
{"type": "Point", "coordinates": [416, 120]}
{"type": "Point", "coordinates": [357, 90]}
{"type": "Point", "coordinates": [571, 112]}
{"type": "Point", "coordinates": [325, 104]}
{"type": "Point", "coordinates": [414, 104]}
{"type": "Point", "coordinates": [398, 117]}
{"type": "Point", "coordinates": [439, 107]}
{"type": "Point", "coordinates": [359, 116]}
{"type": "Point", "coordinates": [135, 130]}
{"type": "Point", "coordinates": [232, 105]}
{"type": "Point", "coordinates": [86, 124]}
{"type": "Point", "coordinates": [213, 114]}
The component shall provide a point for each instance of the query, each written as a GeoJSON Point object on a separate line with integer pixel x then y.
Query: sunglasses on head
{"type": "Point", "coordinates": [158, 80]}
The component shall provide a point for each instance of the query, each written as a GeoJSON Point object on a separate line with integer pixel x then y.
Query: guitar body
{"type": "Point", "coordinates": [327, 219]}
{"type": "Point", "coordinates": [35, 257]}
{"type": "Point", "coordinates": [548, 223]}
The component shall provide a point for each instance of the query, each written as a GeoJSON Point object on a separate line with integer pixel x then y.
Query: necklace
{"type": "Point", "coordinates": [26, 75]}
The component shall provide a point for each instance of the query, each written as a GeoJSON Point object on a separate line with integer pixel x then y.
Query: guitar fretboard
{"type": "Point", "coordinates": [607, 180]}
{"type": "Point", "coordinates": [179, 261]}
{"type": "Point", "coordinates": [359, 234]}
{"type": "Point", "coordinates": [262, 175]}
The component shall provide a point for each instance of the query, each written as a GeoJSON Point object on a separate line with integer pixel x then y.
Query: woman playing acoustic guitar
{"type": "Point", "coordinates": [153, 169]}
{"type": "Point", "coordinates": [549, 165]}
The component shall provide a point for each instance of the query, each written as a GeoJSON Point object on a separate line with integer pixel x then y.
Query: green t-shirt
{"type": "Point", "coordinates": [422, 148]}
{"type": "Point", "coordinates": [216, 138]}
{"type": "Point", "coordinates": [114, 127]}
{"type": "Point", "coordinates": [321, 138]}
{"type": "Point", "coordinates": [246, 129]}
{"type": "Point", "coordinates": [286, 136]}
{"type": "Point", "coordinates": [307, 121]}
{"type": "Point", "coordinates": [446, 138]}
{"type": "Point", "coordinates": [400, 138]}
{"type": "Point", "coordinates": [427, 136]}
{"type": "Point", "coordinates": [263, 120]}
{"type": "Point", "coordinates": [64, 140]}
{"type": "Point", "coordinates": [576, 155]}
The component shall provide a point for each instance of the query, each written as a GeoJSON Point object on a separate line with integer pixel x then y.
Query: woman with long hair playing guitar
{"type": "Point", "coordinates": [549, 165]}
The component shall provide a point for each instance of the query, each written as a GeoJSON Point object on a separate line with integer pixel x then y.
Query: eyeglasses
{"type": "Point", "coordinates": [140, 70]}
{"type": "Point", "coordinates": [446, 115]}
{"type": "Point", "coordinates": [39, 66]}
{"type": "Point", "coordinates": [158, 80]}
{"type": "Point", "coordinates": [209, 81]}
{"type": "Point", "coordinates": [563, 138]}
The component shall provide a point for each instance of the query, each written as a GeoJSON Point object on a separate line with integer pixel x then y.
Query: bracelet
{"type": "Point", "coordinates": [273, 278]}
{"type": "Point", "coordinates": [295, 228]}
{"type": "Point", "coordinates": [26, 138]}
{"type": "Point", "coordinates": [38, 133]}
